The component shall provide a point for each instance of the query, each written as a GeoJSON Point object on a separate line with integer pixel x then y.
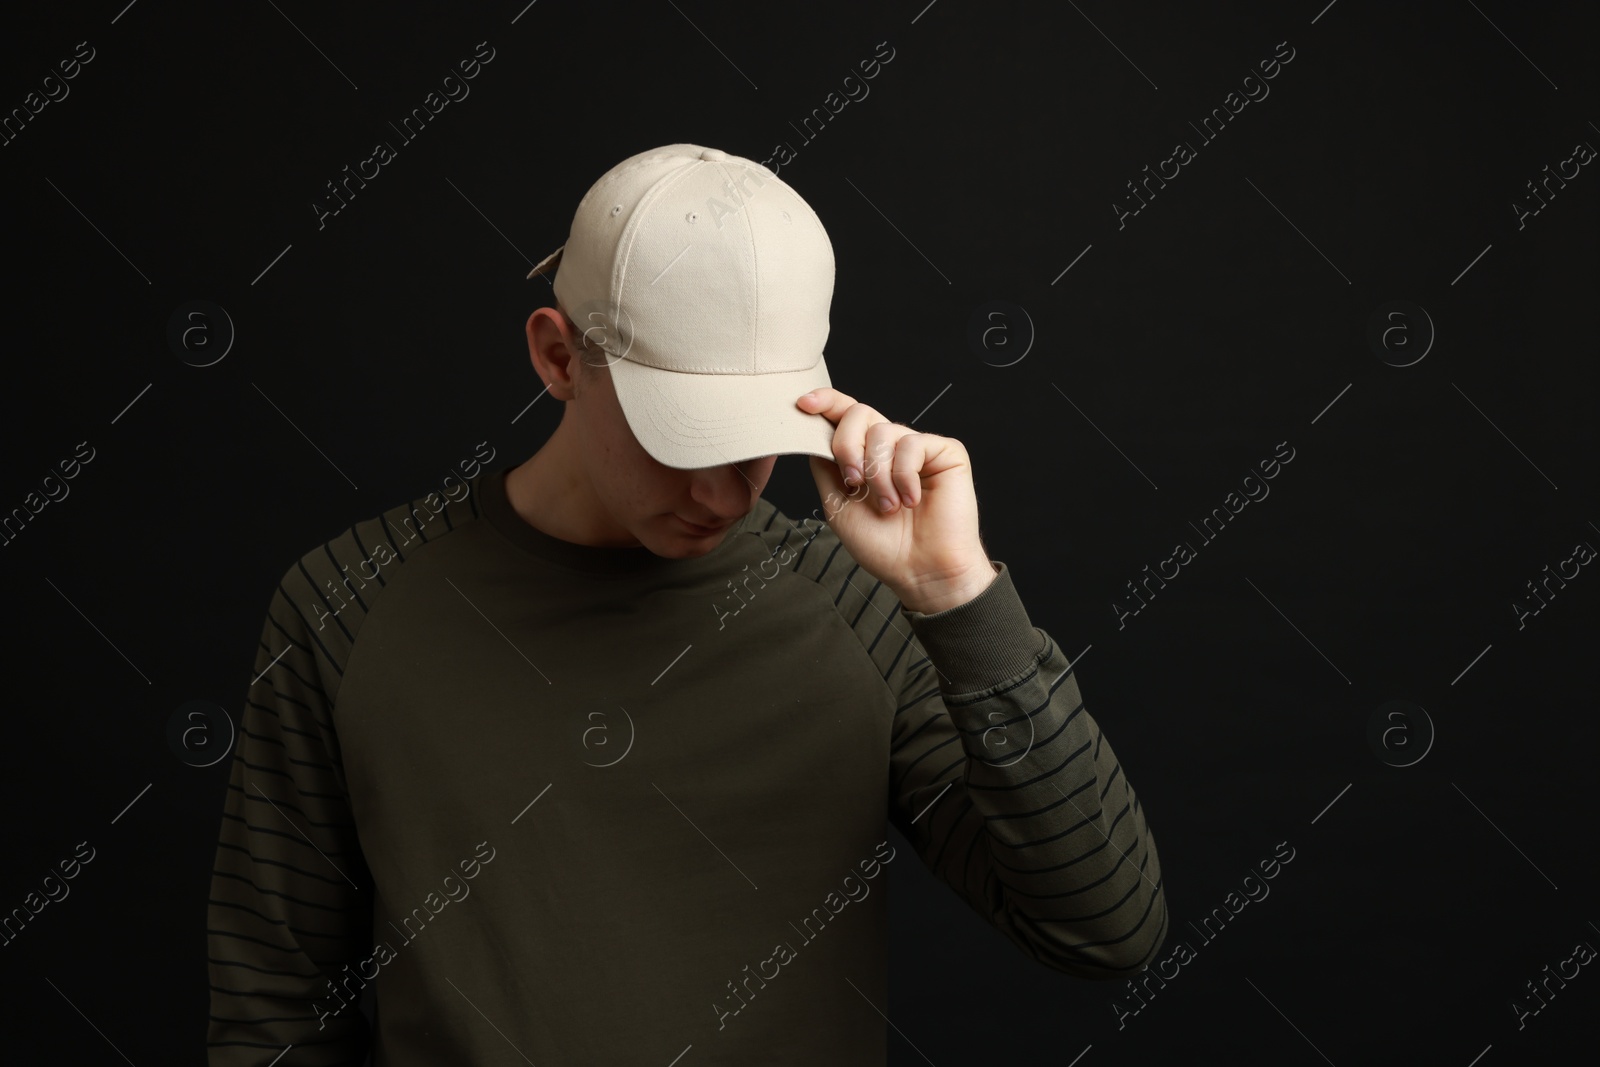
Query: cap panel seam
{"type": "Point", "coordinates": [754, 338]}
{"type": "Point", "coordinates": [630, 233]}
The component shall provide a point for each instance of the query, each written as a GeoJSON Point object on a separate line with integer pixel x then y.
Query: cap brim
{"type": "Point", "coordinates": [691, 421]}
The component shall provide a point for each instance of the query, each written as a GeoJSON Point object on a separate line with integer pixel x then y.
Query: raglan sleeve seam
{"type": "Point", "coordinates": [290, 902]}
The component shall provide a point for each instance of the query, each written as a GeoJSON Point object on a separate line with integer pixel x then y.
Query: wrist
{"type": "Point", "coordinates": [941, 594]}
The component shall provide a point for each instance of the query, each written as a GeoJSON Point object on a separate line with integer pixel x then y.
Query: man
{"type": "Point", "coordinates": [591, 763]}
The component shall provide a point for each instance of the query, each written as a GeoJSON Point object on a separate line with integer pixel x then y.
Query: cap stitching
{"type": "Point", "coordinates": [630, 233]}
{"type": "Point", "coordinates": [755, 270]}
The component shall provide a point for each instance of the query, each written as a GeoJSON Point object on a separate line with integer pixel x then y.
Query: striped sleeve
{"type": "Point", "coordinates": [999, 777]}
{"type": "Point", "coordinates": [291, 898]}
{"type": "Point", "coordinates": [1008, 788]}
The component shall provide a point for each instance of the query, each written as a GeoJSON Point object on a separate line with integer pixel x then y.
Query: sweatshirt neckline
{"type": "Point", "coordinates": [591, 559]}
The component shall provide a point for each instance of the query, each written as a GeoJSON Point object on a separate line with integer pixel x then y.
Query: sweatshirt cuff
{"type": "Point", "coordinates": [983, 643]}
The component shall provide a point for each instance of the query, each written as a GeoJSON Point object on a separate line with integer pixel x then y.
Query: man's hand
{"type": "Point", "coordinates": [924, 546]}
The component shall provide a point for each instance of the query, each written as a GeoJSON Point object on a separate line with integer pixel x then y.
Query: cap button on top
{"type": "Point", "coordinates": [713, 154]}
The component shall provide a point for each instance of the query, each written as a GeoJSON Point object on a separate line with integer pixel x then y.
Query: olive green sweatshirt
{"type": "Point", "coordinates": [565, 804]}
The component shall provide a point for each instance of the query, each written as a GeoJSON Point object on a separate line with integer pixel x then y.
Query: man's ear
{"type": "Point", "coordinates": [550, 347]}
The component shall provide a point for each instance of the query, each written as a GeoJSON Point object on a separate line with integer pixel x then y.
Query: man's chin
{"type": "Point", "coordinates": [681, 542]}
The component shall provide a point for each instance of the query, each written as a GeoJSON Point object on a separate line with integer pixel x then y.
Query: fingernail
{"type": "Point", "coordinates": [852, 477]}
{"type": "Point", "coordinates": [885, 504]}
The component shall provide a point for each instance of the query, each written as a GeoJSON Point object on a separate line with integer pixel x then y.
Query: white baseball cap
{"type": "Point", "coordinates": [707, 281]}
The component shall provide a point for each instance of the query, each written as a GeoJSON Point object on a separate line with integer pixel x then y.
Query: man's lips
{"type": "Point", "coordinates": [699, 529]}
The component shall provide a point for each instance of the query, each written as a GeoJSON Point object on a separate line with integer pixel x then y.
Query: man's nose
{"type": "Point", "coordinates": [724, 490]}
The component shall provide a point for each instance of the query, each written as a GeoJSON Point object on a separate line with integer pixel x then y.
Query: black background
{"type": "Point", "coordinates": [1229, 315]}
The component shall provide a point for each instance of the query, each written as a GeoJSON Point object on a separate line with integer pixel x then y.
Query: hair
{"type": "Point", "coordinates": [591, 355]}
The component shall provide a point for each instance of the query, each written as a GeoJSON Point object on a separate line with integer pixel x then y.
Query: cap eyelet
{"type": "Point", "coordinates": [786, 217]}
{"type": "Point", "coordinates": [692, 216]}
{"type": "Point", "coordinates": [616, 210]}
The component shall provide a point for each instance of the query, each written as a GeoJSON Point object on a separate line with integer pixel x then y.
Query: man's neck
{"type": "Point", "coordinates": [548, 492]}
